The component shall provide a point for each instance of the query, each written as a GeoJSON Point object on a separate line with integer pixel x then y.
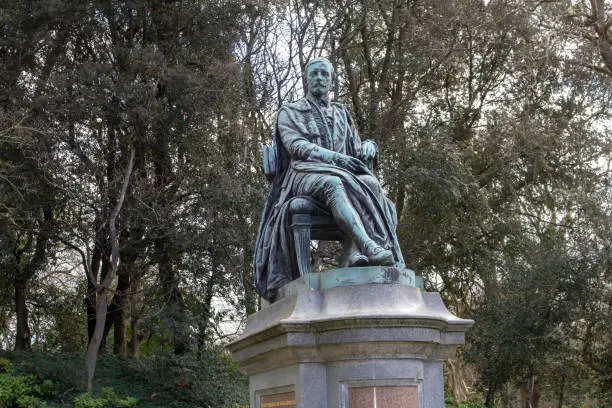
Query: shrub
{"type": "Point", "coordinates": [449, 402]}
{"type": "Point", "coordinates": [5, 366]}
{"type": "Point", "coordinates": [87, 401]}
{"type": "Point", "coordinates": [127, 402]}
{"type": "Point", "coordinates": [471, 404]}
{"type": "Point", "coordinates": [48, 389]}
{"type": "Point", "coordinates": [210, 379]}
{"type": "Point", "coordinates": [28, 401]}
{"type": "Point", "coordinates": [108, 399]}
{"type": "Point", "coordinates": [21, 391]}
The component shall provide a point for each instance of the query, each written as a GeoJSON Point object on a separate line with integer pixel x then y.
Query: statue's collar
{"type": "Point", "coordinates": [322, 103]}
{"type": "Point", "coordinates": [306, 103]}
{"type": "Point", "coordinates": [301, 105]}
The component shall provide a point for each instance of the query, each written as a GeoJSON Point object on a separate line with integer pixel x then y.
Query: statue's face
{"type": "Point", "coordinates": [318, 78]}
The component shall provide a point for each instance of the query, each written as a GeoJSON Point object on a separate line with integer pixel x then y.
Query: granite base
{"type": "Point", "coordinates": [374, 339]}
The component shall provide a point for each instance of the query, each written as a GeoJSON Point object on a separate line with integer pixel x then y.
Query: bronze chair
{"type": "Point", "coordinates": [309, 221]}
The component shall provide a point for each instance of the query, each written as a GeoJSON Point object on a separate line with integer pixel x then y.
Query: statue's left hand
{"type": "Point", "coordinates": [368, 151]}
{"type": "Point", "coordinates": [349, 163]}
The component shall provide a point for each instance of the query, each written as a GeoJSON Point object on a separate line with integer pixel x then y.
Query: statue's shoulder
{"type": "Point", "coordinates": [301, 105]}
{"type": "Point", "coordinates": [339, 105]}
{"type": "Point", "coordinates": [344, 108]}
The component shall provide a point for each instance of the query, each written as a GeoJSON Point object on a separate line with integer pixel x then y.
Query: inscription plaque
{"type": "Point", "coordinates": [384, 397]}
{"type": "Point", "coordinates": [281, 400]}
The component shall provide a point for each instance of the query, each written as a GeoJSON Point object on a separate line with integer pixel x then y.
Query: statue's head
{"type": "Point", "coordinates": [319, 75]}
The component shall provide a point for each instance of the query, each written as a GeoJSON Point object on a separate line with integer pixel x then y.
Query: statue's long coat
{"type": "Point", "coordinates": [300, 129]}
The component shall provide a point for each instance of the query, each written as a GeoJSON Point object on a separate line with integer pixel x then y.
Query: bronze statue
{"type": "Point", "coordinates": [317, 154]}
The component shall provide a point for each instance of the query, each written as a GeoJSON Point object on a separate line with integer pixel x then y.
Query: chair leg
{"type": "Point", "coordinates": [301, 237]}
{"type": "Point", "coordinates": [347, 249]}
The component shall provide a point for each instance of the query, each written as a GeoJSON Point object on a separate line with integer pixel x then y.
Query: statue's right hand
{"type": "Point", "coordinates": [349, 163]}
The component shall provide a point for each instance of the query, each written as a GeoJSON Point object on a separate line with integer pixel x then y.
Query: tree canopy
{"type": "Point", "coordinates": [493, 119]}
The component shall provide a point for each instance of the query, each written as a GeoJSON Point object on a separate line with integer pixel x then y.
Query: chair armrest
{"type": "Point", "coordinates": [270, 162]}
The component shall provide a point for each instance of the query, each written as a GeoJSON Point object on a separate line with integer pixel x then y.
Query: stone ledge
{"type": "Point", "coordinates": [355, 321]}
{"type": "Point", "coordinates": [357, 351]}
{"type": "Point", "coordinates": [359, 306]}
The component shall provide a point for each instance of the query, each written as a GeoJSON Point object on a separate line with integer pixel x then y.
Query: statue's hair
{"type": "Point", "coordinates": [319, 59]}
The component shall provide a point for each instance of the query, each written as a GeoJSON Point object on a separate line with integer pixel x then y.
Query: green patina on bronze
{"type": "Point", "coordinates": [318, 155]}
{"type": "Point", "coordinates": [352, 276]}
{"type": "Point", "coordinates": [364, 275]}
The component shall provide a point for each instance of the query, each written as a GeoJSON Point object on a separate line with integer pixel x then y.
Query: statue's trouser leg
{"type": "Point", "coordinates": [348, 220]}
{"type": "Point", "coordinates": [333, 194]}
{"type": "Point", "coordinates": [330, 191]}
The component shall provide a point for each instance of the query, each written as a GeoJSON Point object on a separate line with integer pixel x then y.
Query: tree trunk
{"type": "Point", "coordinates": [250, 297]}
{"type": "Point", "coordinates": [135, 342]}
{"type": "Point", "coordinates": [400, 199]}
{"type": "Point", "coordinates": [529, 398]}
{"type": "Point", "coordinates": [560, 405]}
{"type": "Point", "coordinates": [164, 247]}
{"type": "Point", "coordinates": [96, 339]}
{"type": "Point", "coordinates": [133, 246]}
{"type": "Point", "coordinates": [490, 398]}
{"type": "Point", "coordinates": [99, 253]}
{"type": "Point", "coordinates": [175, 308]}
{"type": "Point", "coordinates": [208, 296]}
{"type": "Point", "coordinates": [24, 273]}
{"type": "Point", "coordinates": [135, 318]}
{"type": "Point", "coordinates": [116, 313]}
{"type": "Point", "coordinates": [22, 338]}
{"type": "Point", "coordinates": [90, 309]}
{"type": "Point", "coordinates": [120, 334]}
{"type": "Point", "coordinates": [165, 255]}
{"type": "Point", "coordinates": [101, 305]}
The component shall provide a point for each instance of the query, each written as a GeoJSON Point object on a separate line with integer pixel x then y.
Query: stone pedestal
{"type": "Point", "coordinates": [354, 337]}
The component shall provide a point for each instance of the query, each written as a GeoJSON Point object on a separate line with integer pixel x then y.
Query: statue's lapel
{"type": "Point", "coordinates": [339, 129]}
{"type": "Point", "coordinates": [321, 124]}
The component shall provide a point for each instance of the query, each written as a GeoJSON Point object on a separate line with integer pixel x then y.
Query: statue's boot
{"type": "Point", "coordinates": [380, 256]}
{"type": "Point", "coordinates": [357, 259]}
{"type": "Point", "coordinates": [351, 256]}
{"type": "Point", "coordinates": [350, 223]}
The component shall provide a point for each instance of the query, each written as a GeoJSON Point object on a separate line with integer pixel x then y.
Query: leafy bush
{"type": "Point", "coordinates": [471, 404]}
{"type": "Point", "coordinates": [449, 402]}
{"type": "Point", "coordinates": [107, 399]}
{"type": "Point", "coordinates": [47, 389]}
{"type": "Point", "coordinates": [22, 391]}
{"type": "Point", "coordinates": [5, 366]}
{"type": "Point", "coordinates": [28, 401]}
{"type": "Point", "coordinates": [209, 379]}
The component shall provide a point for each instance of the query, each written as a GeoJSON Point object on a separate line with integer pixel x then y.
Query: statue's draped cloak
{"type": "Point", "coordinates": [300, 129]}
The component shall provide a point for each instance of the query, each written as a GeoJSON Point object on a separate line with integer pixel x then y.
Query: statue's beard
{"type": "Point", "coordinates": [319, 91]}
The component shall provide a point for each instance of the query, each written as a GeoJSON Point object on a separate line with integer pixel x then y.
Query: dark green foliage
{"type": "Point", "coordinates": [493, 119]}
{"type": "Point", "coordinates": [107, 399]}
{"type": "Point", "coordinates": [210, 380]}
{"type": "Point", "coordinates": [449, 402]}
{"type": "Point", "coordinates": [24, 391]}
{"type": "Point", "coordinates": [159, 381]}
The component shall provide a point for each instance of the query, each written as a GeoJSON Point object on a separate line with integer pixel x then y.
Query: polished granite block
{"type": "Point", "coordinates": [361, 397]}
{"type": "Point", "coordinates": [281, 400]}
{"type": "Point", "coordinates": [397, 397]}
{"type": "Point", "coordinates": [384, 397]}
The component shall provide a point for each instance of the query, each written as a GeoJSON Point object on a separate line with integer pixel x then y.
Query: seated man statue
{"type": "Point", "coordinates": [319, 156]}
